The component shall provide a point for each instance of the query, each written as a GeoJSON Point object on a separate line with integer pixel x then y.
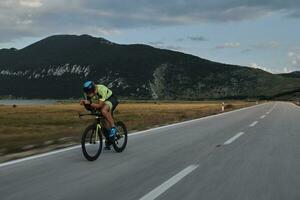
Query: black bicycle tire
{"type": "Point", "coordinates": [116, 148]}
{"type": "Point", "coordinates": [86, 155]}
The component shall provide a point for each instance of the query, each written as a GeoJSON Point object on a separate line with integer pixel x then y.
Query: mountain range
{"type": "Point", "coordinates": [57, 66]}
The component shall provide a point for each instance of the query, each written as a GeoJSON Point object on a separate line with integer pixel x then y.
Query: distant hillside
{"type": "Point", "coordinates": [295, 74]}
{"type": "Point", "coordinates": [56, 67]}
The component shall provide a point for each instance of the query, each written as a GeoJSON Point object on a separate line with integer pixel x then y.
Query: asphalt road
{"type": "Point", "coordinates": [247, 154]}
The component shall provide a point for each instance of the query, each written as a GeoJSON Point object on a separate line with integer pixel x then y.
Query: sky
{"type": "Point", "coordinates": [257, 33]}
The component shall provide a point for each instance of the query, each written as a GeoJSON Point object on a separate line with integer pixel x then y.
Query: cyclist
{"type": "Point", "coordinates": [99, 97]}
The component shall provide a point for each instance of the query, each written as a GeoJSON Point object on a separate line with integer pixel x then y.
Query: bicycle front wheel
{"type": "Point", "coordinates": [91, 143]}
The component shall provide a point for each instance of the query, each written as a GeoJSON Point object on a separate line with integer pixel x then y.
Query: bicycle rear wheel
{"type": "Point", "coordinates": [91, 143]}
{"type": "Point", "coordinates": [120, 141]}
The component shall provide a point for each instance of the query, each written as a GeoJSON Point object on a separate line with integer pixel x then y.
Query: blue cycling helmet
{"type": "Point", "coordinates": [89, 87]}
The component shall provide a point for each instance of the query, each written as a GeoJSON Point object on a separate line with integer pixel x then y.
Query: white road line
{"type": "Point", "coordinates": [39, 156]}
{"type": "Point", "coordinates": [253, 124]}
{"type": "Point", "coordinates": [233, 138]}
{"type": "Point", "coordinates": [263, 116]}
{"type": "Point", "coordinates": [271, 109]}
{"type": "Point", "coordinates": [131, 134]}
{"type": "Point", "coordinates": [169, 183]}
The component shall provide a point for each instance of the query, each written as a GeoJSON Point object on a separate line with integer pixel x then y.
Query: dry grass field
{"type": "Point", "coordinates": [26, 130]}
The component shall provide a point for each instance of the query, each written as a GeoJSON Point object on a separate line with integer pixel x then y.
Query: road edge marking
{"type": "Point", "coordinates": [38, 156]}
{"type": "Point", "coordinates": [169, 183]}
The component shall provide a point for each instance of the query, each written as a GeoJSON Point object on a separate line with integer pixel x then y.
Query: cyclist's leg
{"type": "Point", "coordinates": [108, 124]}
{"type": "Point", "coordinates": [112, 103]}
{"type": "Point", "coordinates": [106, 112]}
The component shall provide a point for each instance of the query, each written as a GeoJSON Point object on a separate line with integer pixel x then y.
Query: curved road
{"type": "Point", "coordinates": [251, 153]}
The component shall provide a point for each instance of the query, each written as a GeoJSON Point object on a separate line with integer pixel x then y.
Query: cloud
{"type": "Point", "coordinates": [246, 50]}
{"type": "Point", "coordinates": [156, 43]}
{"type": "Point", "coordinates": [31, 3]}
{"type": "Point", "coordinates": [172, 47]}
{"type": "Point", "coordinates": [197, 38]}
{"type": "Point", "coordinates": [229, 45]}
{"type": "Point", "coordinates": [163, 45]}
{"type": "Point", "coordinates": [266, 45]}
{"type": "Point", "coordinates": [286, 70]}
{"type": "Point", "coordinates": [180, 39]}
{"type": "Point", "coordinates": [294, 58]}
{"type": "Point", "coordinates": [271, 70]}
{"type": "Point", "coordinates": [20, 18]}
{"type": "Point", "coordinates": [257, 66]}
{"type": "Point", "coordinates": [261, 46]}
{"type": "Point", "coordinates": [192, 38]}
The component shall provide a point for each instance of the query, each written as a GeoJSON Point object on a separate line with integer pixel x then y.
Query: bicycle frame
{"type": "Point", "coordinates": [98, 127]}
{"type": "Point", "coordinates": [99, 121]}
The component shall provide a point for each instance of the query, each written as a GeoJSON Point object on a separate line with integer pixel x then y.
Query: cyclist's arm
{"type": "Point", "coordinates": [85, 100]}
{"type": "Point", "coordinates": [97, 105]}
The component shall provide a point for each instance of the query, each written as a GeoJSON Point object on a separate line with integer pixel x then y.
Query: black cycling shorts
{"type": "Point", "coordinates": [112, 102]}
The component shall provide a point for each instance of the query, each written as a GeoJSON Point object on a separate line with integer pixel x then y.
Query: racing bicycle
{"type": "Point", "coordinates": [93, 135]}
